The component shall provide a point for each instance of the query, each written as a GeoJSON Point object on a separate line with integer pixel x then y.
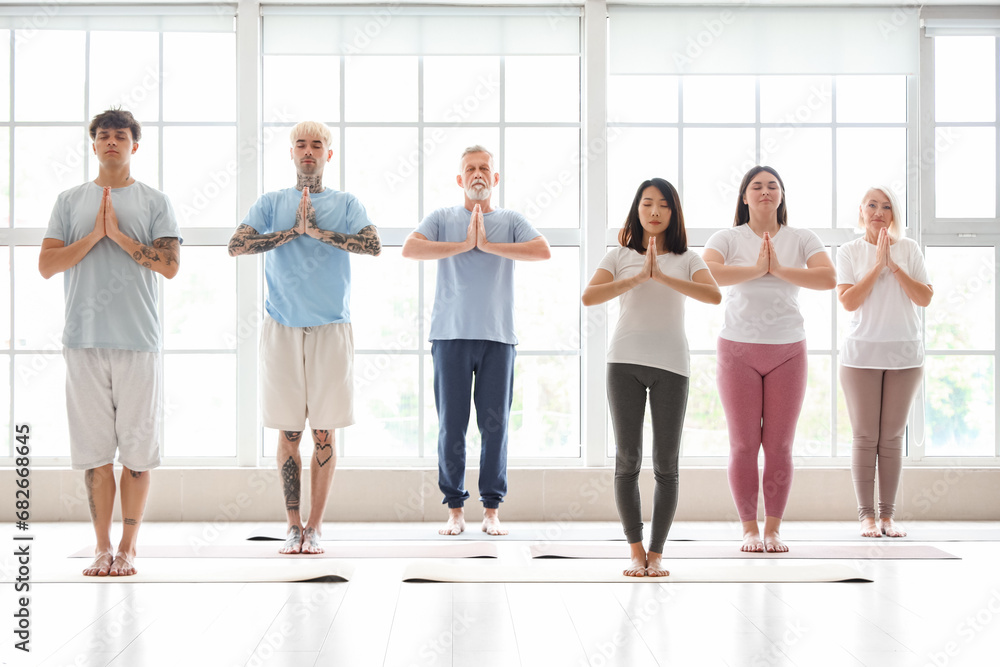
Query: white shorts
{"type": "Point", "coordinates": [306, 373]}
{"type": "Point", "coordinates": [114, 400]}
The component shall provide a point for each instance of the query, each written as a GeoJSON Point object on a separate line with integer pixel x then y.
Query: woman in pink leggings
{"type": "Point", "coordinates": [762, 348]}
{"type": "Point", "coordinates": [881, 279]}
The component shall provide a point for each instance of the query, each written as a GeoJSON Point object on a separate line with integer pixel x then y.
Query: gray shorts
{"type": "Point", "coordinates": [114, 400]}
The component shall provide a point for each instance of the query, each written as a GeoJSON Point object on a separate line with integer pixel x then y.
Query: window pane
{"type": "Point", "coordinates": [636, 154]}
{"type": "Point", "coordinates": [856, 96]}
{"type": "Point", "coordinates": [714, 163]}
{"type": "Point", "coordinates": [286, 80]}
{"type": "Point", "coordinates": [5, 441]}
{"type": "Point", "coordinates": [702, 321]}
{"type": "Point", "coordinates": [543, 175]}
{"type": "Point", "coordinates": [845, 435]}
{"type": "Point", "coordinates": [962, 314]}
{"type": "Point", "coordinates": [547, 302]}
{"type": "Point", "coordinates": [719, 99]}
{"type": "Point", "coordinates": [5, 332]}
{"type": "Point", "coordinates": [199, 409]}
{"type": "Point", "coordinates": [384, 182]}
{"type": "Point", "coordinates": [200, 302]}
{"type": "Point", "coordinates": [461, 89]}
{"type": "Point", "coordinates": [804, 158]}
{"type": "Point", "coordinates": [642, 99]}
{"type": "Point", "coordinates": [816, 307]}
{"type": "Point", "coordinates": [39, 314]}
{"type": "Point", "coordinates": [812, 433]}
{"type": "Point", "coordinates": [55, 57]}
{"type": "Point", "coordinates": [47, 160]}
{"type": "Point", "coordinates": [135, 85]}
{"type": "Point", "coordinates": [392, 98]}
{"type": "Point", "coordinates": [40, 400]}
{"type": "Point", "coordinates": [203, 189]}
{"type": "Point", "coordinates": [965, 172]}
{"type": "Point", "coordinates": [705, 432]}
{"type": "Point", "coordinates": [186, 79]}
{"type": "Point", "coordinates": [386, 406]}
{"type": "Point", "coordinates": [442, 151]}
{"type": "Point", "coordinates": [5, 177]}
{"type": "Point", "coordinates": [961, 420]}
{"type": "Point", "coordinates": [545, 415]}
{"type": "Point", "coordinates": [965, 79]}
{"type": "Point", "coordinates": [384, 303]}
{"type": "Point", "coordinates": [4, 75]}
{"type": "Point", "coordinates": [542, 88]}
{"type": "Point", "coordinates": [858, 170]}
{"type": "Point", "coordinates": [795, 100]}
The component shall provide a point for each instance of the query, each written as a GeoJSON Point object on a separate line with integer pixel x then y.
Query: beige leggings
{"type": "Point", "coordinates": [878, 402]}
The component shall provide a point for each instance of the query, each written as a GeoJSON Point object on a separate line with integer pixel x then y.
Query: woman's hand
{"type": "Point", "coordinates": [764, 257]}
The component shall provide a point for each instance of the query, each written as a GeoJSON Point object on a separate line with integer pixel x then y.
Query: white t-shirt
{"type": "Point", "coordinates": [885, 331]}
{"type": "Point", "coordinates": [765, 309]}
{"type": "Point", "coordinates": [650, 330]}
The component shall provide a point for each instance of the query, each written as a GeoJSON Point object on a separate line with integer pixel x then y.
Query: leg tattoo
{"type": "Point", "coordinates": [293, 436]}
{"type": "Point", "coordinates": [88, 480]}
{"type": "Point", "coordinates": [324, 448]}
{"type": "Point", "coordinates": [292, 484]}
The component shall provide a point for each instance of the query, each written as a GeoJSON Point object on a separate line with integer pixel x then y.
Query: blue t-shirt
{"type": "Point", "coordinates": [474, 299]}
{"type": "Point", "coordinates": [308, 281]}
{"type": "Point", "coordinates": [110, 299]}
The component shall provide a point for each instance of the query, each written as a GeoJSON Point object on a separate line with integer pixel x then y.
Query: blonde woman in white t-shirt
{"type": "Point", "coordinates": [761, 363]}
{"type": "Point", "coordinates": [881, 280]}
{"type": "Point", "coordinates": [652, 272]}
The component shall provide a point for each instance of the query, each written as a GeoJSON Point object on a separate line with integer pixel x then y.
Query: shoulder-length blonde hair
{"type": "Point", "coordinates": [896, 226]}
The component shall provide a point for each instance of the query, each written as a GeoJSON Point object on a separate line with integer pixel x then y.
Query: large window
{"type": "Point", "coordinates": [840, 99]}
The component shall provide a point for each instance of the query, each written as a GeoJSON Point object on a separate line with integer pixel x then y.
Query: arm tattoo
{"type": "Point", "coordinates": [291, 484]}
{"type": "Point", "coordinates": [365, 242]}
{"type": "Point", "coordinates": [88, 480]}
{"type": "Point", "coordinates": [246, 240]}
{"type": "Point", "coordinates": [324, 448]}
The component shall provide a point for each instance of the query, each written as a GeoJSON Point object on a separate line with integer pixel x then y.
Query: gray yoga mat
{"type": "Point", "coordinates": [731, 550]}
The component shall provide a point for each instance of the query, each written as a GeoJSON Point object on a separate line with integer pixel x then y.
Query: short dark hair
{"type": "Point", "coordinates": [743, 211]}
{"type": "Point", "coordinates": [116, 119]}
{"type": "Point", "coordinates": [675, 236]}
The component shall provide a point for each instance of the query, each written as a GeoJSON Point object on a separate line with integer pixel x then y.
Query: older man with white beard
{"type": "Point", "coordinates": [472, 330]}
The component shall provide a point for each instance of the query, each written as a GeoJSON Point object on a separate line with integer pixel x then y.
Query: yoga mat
{"type": "Point", "coordinates": [571, 571]}
{"type": "Point", "coordinates": [428, 531]}
{"type": "Point", "coordinates": [731, 550]}
{"type": "Point", "coordinates": [270, 550]}
{"type": "Point", "coordinates": [184, 570]}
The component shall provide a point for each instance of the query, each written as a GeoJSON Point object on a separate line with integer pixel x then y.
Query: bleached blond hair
{"type": "Point", "coordinates": [310, 128]}
{"type": "Point", "coordinates": [896, 226]}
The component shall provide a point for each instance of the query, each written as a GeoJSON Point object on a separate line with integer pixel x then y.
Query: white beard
{"type": "Point", "coordinates": [478, 192]}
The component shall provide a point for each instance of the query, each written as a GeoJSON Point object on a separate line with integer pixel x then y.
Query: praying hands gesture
{"type": "Point", "coordinates": [883, 256]}
{"type": "Point", "coordinates": [163, 257]}
{"type": "Point", "coordinates": [365, 242]}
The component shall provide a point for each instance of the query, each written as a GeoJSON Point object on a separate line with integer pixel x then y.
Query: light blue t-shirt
{"type": "Point", "coordinates": [110, 299]}
{"type": "Point", "coordinates": [474, 299]}
{"type": "Point", "coordinates": [308, 281]}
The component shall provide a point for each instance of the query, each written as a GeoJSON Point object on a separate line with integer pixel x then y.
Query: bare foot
{"type": "Point", "coordinates": [868, 527]}
{"type": "Point", "coordinates": [889, 527]}
{"type": "Point", "coordinates": [491, 522]}
{"type": "Point", "coordinates": [654, 565]}
{"type": "Point", "coordinates": [456, 522]}
{"type": "Point", "coordinates": [123, 566]}
{"type": "Point", "coordinates": [752, 541]}
{"type": "Point", "coordinates": [293, 542]}
{"type": "Point", "coordinates": [636, 568]}
{"type": "Point", "coordinates": [101, 565]}
{"type": "Point", "coordinates": [310, 542]}
{"type": "Point", "coordinates": [773, 543]}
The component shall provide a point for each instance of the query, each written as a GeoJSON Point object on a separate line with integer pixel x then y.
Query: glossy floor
{"type": "Point", "coordinates": [916, 613]}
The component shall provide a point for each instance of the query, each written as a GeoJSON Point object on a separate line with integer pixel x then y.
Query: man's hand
{"type": "Point", "coordinates": [472, 234]}
{"type": "Point", "coordinates": [480, 222]}
{"type": "Point", "coordinates": [305, 216]}
{"type": "Point", "coordinates": [110, 217]}
{"type": "Point", "coordinates": [100, 230]}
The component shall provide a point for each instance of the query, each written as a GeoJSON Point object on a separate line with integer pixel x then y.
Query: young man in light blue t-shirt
{"type": "Point", "coordinates": [472, 330]}
{"type": "Point", "coordinates": [111, 237]}
{"type": "Point", "coordinates": [306, 343]}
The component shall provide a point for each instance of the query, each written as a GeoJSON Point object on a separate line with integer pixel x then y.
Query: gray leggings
{"type": "Point", "coordinates": [668, 394]}
{"type": "Point", "coordinates": [878, 402]}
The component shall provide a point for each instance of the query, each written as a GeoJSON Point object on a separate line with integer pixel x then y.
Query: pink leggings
{"type": "Point", "coordinates": [762, 387]}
